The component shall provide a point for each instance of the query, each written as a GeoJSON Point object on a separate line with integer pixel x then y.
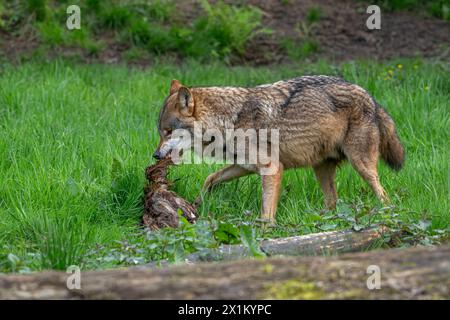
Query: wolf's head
{"type": "Point", "coordinates": [177, 113]}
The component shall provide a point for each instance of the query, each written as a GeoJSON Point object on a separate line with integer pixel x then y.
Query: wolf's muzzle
{"type": "Point", "coordinates": [157, 155]}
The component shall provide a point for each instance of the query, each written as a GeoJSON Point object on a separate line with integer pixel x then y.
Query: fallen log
{"type": "Point", "coordinates": [414, 273]}
{"type": "Point", "coordinates": [324, 243]}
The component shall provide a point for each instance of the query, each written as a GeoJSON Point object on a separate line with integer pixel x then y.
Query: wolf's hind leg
{"type": "Point", "coordinates": [325, 173]}
{"type": "Point", "coordinates": [362, 151]}
{"type": "Point", "coordinates": [223, 175]}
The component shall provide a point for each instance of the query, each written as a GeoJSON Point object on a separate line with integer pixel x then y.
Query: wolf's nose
{"type": "Point", "coordinates": [157, 155]}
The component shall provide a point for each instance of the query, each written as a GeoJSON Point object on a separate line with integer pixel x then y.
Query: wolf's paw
{"type": "Point", "coordinates": [266, 223]}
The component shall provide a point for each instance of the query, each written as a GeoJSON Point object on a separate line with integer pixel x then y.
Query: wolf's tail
{"type": "Point", "coordinates": [391, 148]}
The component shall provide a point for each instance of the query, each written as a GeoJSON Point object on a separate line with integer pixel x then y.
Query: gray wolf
{"type": "Point", "coordinates": [322, 120]}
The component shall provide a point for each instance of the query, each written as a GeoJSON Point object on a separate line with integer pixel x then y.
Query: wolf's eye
{"type": "Point", "coordinates": [167, 132]}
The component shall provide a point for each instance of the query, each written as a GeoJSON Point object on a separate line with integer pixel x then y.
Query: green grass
{"type": "Point", "coordinates": [75, 140]}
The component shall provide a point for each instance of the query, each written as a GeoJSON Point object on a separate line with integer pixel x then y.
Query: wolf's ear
{"type": "Point", "coordinates": [175, 86]}
{"type": "Point", "coordinates": [186, 101]}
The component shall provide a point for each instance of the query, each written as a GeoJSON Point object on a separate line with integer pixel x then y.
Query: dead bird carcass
{"type": "Point", "coordinates": [161, 204]}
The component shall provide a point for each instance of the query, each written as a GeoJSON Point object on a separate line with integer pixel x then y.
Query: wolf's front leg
{"type": "Point", "coordinates": [271, 187]}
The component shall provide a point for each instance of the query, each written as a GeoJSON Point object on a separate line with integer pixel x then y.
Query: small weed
{"type": "Point", "coordinates": [135, 54]}
{"type": "Point", "coordinates": [161, 10]}
{"type": "Point", "coordinates": [224, 29]}
{"type": "Point", "coordinates": [57, 242]}
{"type": "Point", "coordinates": [298, 51]}
{"type": "Point", "coordinates": [116, 18]}
{"type": "Point", "coordinates": [38, 8]}
{"type": "Point", "coordinates": [303, 45]}
{"type": "Point", "coordinates": [313, 15]}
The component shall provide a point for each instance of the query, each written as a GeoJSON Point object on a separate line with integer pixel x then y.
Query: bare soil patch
{"type": "Point", "coordinates": [342, 33]}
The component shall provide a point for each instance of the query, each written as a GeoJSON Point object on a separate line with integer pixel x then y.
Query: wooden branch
{"type": "Point", "coordinates": [414, 273]}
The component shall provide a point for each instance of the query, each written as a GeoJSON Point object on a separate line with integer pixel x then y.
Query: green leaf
{"type": "Point", "coordinates": [315, 217]}
{"type": "Point", "coordinates": [248, 238]}
{"type": "Point", "coordinates": [423, 225]}
{"type": "Point", "coordinates": [343, 209]}
{"type": "Point", "coordinates": [178, 252]}
{"type": "Point", "coordinates": [327, 227]}
{"type": "Point", "coordinates": [227, 233]}
{"type": "Point", "coordinates": [14, 261]}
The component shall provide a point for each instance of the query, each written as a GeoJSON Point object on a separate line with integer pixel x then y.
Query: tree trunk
{"type": "Point", "coordinates": [413, 273]}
